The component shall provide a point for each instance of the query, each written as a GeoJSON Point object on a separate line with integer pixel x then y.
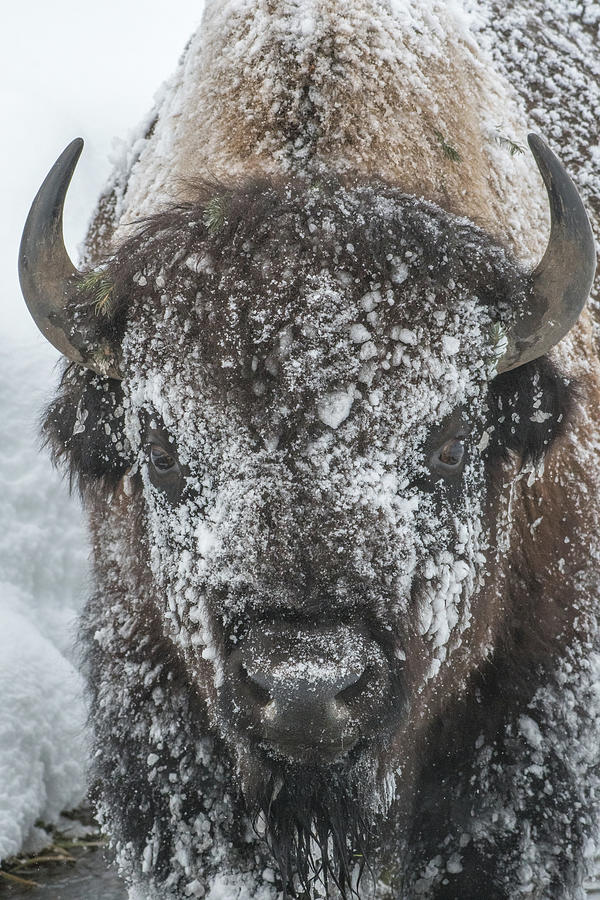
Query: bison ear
{"type": "Point", "coordinates": [530, 407]}
{"type": "Point", "coordinates": [48, 276]}
{"type": "Point", "coordinates": [84, 427]}
{"type": "Point", "coordinates": [561, 283]}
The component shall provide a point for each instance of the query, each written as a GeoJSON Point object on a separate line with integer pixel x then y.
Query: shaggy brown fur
{"type": "Point", "coordinates": [521, 615]}
{"type": "Point", "coordinates": [495, 758]}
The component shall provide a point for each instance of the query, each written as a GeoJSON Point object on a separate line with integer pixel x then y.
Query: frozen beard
{"type": "Point", "coordinates": [302, 364]}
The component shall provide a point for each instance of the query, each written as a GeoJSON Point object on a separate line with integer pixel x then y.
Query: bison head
{"type": "Point", "coordinates": [292, 410]}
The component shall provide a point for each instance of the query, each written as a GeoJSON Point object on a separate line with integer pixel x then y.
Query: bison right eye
{"type": "Point", "coordinates": [448, 459]}
{"type": "Point", "coordinates": [164, 469]}
{"type": "Point", "coordinates": [451, 453]}
{"type": "Point", "coordinates": [161, 460]}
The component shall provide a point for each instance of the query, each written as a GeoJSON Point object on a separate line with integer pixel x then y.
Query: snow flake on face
{"type": "Point", "coordinates": [451, 344]}
{"type": "Point", "coordinates": [359, 334]}
{"type": "Point", "coordinates": [335, 408]}
{"type": "Point", "coordinates": [403, 334]}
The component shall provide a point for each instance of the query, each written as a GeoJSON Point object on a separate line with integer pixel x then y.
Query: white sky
{"type": "Point", "coordinates": [74, 68]}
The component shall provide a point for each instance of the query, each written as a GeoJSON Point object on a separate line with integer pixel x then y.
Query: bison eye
{"type": "Point", "coordinates": [166, 474]}
{"type": "Point", "coordinates": [448, 458]}
{"type": "Point", "coordinates": [161, 460]}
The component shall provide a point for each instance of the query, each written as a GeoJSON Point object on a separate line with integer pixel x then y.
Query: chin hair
{"type": "Point", "coordinates": [315, 825]}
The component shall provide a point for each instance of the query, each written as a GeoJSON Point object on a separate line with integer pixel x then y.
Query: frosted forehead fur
{"type": "Point", "coordinates": [313, 303]}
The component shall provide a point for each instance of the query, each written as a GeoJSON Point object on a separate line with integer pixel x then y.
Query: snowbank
{"type": "Point", "coordinates": [42, 581]}
{"type": "Point", "coordinates": [41, 734]}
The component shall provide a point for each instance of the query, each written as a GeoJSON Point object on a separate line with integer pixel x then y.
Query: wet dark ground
{"type": "Point", "coordinates": [92, 878]}
{"type": "Point", "coordinates": [89, 878]}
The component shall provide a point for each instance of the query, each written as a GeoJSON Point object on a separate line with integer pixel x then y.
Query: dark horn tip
{"type": "Point", "coordinates": [562, 281]}
{"type": "Point", "coordinates": [549, 165]}
{"type": "Point", "coordinates": [76, 144]}
{"type": "Point", "coordinates": [69, 158]}
{"type": "Point", "coordinates": [535, 142]}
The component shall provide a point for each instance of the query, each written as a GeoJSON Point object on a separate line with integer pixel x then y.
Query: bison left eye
{"type": "Point", "coordinates": [448, 458]}
{"type": "Point", "coordinates": [161, 460]}
{"type": "Point", "coordinates": [164, 469]}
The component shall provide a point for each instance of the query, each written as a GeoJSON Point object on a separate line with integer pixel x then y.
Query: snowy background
{"type": "Point", "coordinates": [67, 69]}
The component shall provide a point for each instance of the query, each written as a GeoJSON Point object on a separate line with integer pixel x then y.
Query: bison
{"type": "Point", "coordinates": [342, 483]}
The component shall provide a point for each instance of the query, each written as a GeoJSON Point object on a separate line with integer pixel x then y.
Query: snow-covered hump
{"type": "Point", "coordinates": [394, 88]}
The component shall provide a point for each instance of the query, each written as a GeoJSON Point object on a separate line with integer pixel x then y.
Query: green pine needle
{"type": "Point", "coordinates": [100, 287]}
{"type": "Point", "coordinates": [215, 214]}
{"type": "Point", "coordinates": [499, 340]}
{"type": "Point", "coordinates": [448, 150]}
{"type": "Point", "coordinates": [512, 146]}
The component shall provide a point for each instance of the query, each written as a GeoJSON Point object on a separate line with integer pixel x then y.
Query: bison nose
{"type": "Point", "coordinates": [309, 689]}
{"type": "Point", "coordinates": [303, 702]}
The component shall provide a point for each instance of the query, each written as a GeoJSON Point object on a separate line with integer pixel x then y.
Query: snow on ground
{"type": "Point", "coordinates": [54, 86]}
{"type": "Point", "coordinates": [41, 734]}
{"type": "Point", "coordinates": [43, 562]}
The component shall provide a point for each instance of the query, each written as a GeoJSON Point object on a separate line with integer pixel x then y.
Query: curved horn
{"type": "Point", "coordinates": [562, 281]}
{"type": "Point", "coordinates": [47, 274]}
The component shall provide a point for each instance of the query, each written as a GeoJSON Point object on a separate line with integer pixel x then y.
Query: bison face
{"type": "Point", "coordinates": [313, 483]}
{"type": "Point", "coordinates": [309, 432]}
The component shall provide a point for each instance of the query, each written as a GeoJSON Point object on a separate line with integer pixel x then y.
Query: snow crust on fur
{"type": "Point", "coordinates": [253, 94]}
{"type": "Point", "coordinates": [403, 382]}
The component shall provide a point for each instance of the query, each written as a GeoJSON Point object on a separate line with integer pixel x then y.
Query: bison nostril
{"type": "Point", "coordinates": [353, 692]}
{"type": "Point", "coordinates": [308, 690]}
{"type": "Point", "coordinates": [259, 693]}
